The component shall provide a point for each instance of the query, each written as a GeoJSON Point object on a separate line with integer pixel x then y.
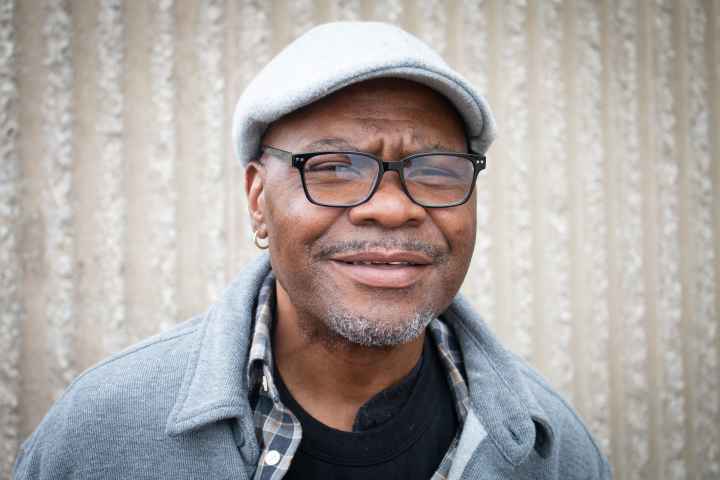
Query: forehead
{"type": "Point", "coordinates": [376, 108]}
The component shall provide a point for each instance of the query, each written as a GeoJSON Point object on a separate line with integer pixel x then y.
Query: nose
{"type": "Point", "coordinates": [389, 207]}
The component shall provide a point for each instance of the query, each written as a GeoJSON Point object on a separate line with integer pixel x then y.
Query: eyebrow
{"type": "Point", "coordinates": [436, 147]}
{"type": "Point", "coordinates": [332, 143]}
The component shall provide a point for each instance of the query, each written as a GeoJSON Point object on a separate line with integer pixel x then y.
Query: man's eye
{"type": "Point", "coordinates": [430, 173]}
{"type": "Point", "coordinates": [327, 167]}
{"type": "Point", "coordinates": [327, 160]}
{"type": "Point", "coordinates": [437, 171]}
{"type": "Point", "coordinates": [333, 171]}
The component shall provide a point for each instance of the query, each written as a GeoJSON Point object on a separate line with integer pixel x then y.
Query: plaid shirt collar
{"type": "Point", "coordinates": [279, 432]}
{"type": "Point", "coordinates": [261, 358]}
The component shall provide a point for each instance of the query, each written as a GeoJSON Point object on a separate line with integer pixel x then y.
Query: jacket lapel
{"type": "Point", "coordinates": [506, 409]}
{"type": "Point", "coordinates": [214, 385]}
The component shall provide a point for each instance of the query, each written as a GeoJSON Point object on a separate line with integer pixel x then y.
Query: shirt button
{"type": "Point", "coordinates": [272, 457]}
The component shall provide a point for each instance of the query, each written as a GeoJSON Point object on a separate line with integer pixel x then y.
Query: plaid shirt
{"type": "Point", "coordinates": [279, 431]}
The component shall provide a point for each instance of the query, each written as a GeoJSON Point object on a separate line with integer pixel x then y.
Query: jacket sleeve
{"type": "Point", "coordinates": [48, 453]}
{"type": "Point", "coordinates": [24, 468]}
{"type": "Point", "coordinates": [579, 456]}
{"type": "Point", "coordinates": [605, 469]}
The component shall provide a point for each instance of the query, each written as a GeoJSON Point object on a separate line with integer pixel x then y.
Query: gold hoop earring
{"type": "Point", "coordinates": [258, 244]}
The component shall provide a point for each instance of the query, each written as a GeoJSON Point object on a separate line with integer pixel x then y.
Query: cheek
{"type": "Point", "coordinates": [458, 225]}
{"type": "Point", "coordinates": [293, 222]}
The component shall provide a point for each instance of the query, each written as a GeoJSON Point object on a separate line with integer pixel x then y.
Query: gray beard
{"type": "Point", "coordinates": [362, 331]}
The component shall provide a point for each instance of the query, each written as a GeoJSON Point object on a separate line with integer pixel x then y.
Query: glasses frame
{"type": "Point", "coordinates": [298, 161]}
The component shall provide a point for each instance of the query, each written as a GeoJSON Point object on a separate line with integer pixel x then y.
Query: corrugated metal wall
{"type": "Point", "coordinates": [122, 212]}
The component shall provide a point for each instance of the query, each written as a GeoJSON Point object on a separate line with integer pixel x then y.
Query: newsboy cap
{"type": "Point", "coordinates": [334, 55]}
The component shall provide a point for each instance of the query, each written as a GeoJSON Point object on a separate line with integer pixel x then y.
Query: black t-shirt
{"type": "Point", "coordinates": [411, 444]}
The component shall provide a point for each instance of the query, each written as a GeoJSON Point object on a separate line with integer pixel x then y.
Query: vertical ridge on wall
{"type": "Point", "coordinates": [473, 56]}
{"type": "Point", "coordinates": [552, 284]}
{"type": "Point", "coordinates": [514, 105]}
{"type": "Point", "coordinates": [648, 163]}
{"type": "Point", "coordinates": [31, 85]}
{"type": "Point", "coordinates": [537, 164]}
{"type": "Point", "coordinates": [11, 311]}
{"type": "Point", "coordinates": [163, 251]}
{"type": "Point", "coordinates": [432, 22]}
{"type": "Point", "coordinates": [714, 67]}
{"type": "Point", "coordinates": [234, 79]}
{"type": "Point", "coordinates": [210, 45]}
{"type": "Point", "coordinates": [302, 16]}
{"type": "Point", "coordinates": [576, 237]}
{"type": "Point", "coordinates": [253, 47]}
{"type": "Point", "coordinates": [689, 297]}
{"type": "Point", "coordinates": [479, 282]}
{"type": "Point", "coordinates": [345, 10]}
{"type": "Point", "coordinates": [139, 138]}
{"type": "Point", "coordinates": [112, 209]}
{"type": "Point", "coordinates": [618, 443]}
{"type": "Point", "coordinates": [704, 331]}
{"type": "Point", "coordinates": [59, 218]}
{"type": "Point", "coordinates": [497, 179]}
{"type": "Point", "coordinates": [629, 236]}
{"type": "Point", "coordinates": [590, 217]}
{"type": "Point", "coordinates": [256, 38]}
{"type": "Point", "coordinates": [91, 314]}
{"type": "Point", "coordinates": [671, 434]}
{"type": "Point", "coordinates": [191, 83]}
{"type": "Point", "coordinates": [387, 11]}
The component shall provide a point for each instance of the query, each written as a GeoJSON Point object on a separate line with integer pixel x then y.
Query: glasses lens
{"type": "Point", "coordinates": [439, 180]}
{"type": "Point", "coordinates": [340, 178]}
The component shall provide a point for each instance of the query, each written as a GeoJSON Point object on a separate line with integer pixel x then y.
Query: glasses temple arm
{"type": "Point", "coordinates": [276, 152]}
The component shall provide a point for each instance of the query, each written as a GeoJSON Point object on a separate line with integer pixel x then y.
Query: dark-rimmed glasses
{"type": "Point", "coordinates": [348, 179]}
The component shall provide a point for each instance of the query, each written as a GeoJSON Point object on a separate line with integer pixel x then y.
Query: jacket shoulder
{"type": "Point", "coordinates": [130, 390]}
{"type": "Point", "coordinates": [577, 453]}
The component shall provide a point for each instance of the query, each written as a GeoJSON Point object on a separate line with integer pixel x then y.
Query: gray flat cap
{"type": "Point", "coordinates": [335, 55]}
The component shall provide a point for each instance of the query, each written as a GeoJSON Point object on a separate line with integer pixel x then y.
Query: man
{"type": "Point", "coordinates": [346, 352]}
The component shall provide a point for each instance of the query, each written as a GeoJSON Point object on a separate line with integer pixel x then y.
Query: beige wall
{"type": "Point", "coordinates": [121, 209]}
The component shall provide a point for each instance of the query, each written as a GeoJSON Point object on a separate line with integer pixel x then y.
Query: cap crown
{"type": "Point", "coordinates": [335, 55]}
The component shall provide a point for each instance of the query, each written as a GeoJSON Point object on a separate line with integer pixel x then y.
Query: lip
{"type": "Point", "coordinates": [382, 269]}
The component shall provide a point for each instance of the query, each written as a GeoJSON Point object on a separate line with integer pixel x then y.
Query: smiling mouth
{"type": "Point", "coordinates": [383, 269]}
{"type": "Point", "coordinates": [384, 257]}
{"type": "Point", "coordinates": [380, 263]}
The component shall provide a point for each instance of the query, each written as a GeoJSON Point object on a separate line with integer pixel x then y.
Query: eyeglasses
{"type": "Point", "coordinates": [348, 179]}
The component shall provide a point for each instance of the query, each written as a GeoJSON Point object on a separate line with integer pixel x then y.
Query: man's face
{"type": "Point", "coordinates": [373, 274]}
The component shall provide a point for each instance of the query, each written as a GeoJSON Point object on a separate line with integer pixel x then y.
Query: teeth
{"type": "Point", "coordinates": [381, 263]}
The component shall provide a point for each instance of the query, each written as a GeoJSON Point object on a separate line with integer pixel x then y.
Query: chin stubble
{"type": "Point", "coordinates": [359, 330]}
{"type": "Point", "coordinates": [342, 326]}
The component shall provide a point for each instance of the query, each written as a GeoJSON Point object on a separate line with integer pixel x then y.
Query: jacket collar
{"type": "Point", "coordinates": [501, 398]}
{"type": "Point", "coordinates": [215, 386]}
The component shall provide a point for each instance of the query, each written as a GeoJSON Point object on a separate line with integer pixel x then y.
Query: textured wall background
{"type": "Point", "coordinates": [122, 212]}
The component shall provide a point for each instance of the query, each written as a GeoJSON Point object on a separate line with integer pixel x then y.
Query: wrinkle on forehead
{"type": "Point", "coordinates": [388, 117]}
{"type": "Point", "coordinates": [416, 144]}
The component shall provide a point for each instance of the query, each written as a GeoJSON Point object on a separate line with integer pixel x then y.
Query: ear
{"type": "Point", "coordinates": [255, 191]}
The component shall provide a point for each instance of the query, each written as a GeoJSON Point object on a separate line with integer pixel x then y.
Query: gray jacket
{"type": "Point", "coordinates": [176, 406]}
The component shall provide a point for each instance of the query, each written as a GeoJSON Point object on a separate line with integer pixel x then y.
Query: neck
{"type": "Point", "coordinates": [331, 380]}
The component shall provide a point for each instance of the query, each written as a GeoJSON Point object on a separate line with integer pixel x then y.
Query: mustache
{"type": "Point", "coordinates": [437, 253]}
